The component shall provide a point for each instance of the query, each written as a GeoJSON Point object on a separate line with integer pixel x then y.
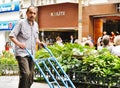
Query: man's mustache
{"type": "Point", "coordinates": [32, 17]}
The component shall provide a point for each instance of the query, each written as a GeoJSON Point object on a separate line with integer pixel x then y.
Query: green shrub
{"type": "Point", "coordinates": [7, 58]}
{"type": "Point", "coordinates": [7, 62]}
{"type": "Point", "coordinates": [87, 60]}
{"type": "Point", "coordinates": [68, 55]}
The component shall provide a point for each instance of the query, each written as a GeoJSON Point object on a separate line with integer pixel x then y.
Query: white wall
{"type": "Point", "coordinates": [2, 41]}
{"type": "Point", "coordinates": [47, 2]}
{"type": "Point", "coordinates": [97, 1]}
{"type": "Point", "coordinates": [27, 3]}
{"type": "Point", "coordinates": [4, 34]}
{"type": "Point", "coordinates": [7, 16]}
{"type": "Point", "coordinates": [7, 1]}
{"type": "Point", "coordinates": [1, 1]}
{"type": "Point", "coordinates": [60, 1]}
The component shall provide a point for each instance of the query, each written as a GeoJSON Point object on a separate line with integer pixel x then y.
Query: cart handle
{"type": "Point", "coordinates": [30, 54]}
{"type": "Point", "coordinates": [48, 50]}
{"type": "Point", "coordinates": [45, 47]}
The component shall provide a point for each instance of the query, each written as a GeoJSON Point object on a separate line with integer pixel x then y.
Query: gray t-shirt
{"type": "Point", "coordinates": [27, 34]}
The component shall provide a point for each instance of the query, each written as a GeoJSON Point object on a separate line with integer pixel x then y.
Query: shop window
{"type": "Point", "coordinates": [111, 26]}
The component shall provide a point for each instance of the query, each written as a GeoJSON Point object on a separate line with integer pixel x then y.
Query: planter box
{"type": "Point", "coordinates": [9, 70]}
{"type": "Point", "coordinates": [86, 80]}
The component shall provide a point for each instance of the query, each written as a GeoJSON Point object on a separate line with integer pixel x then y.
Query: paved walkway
{"type": "Point", "coordinates": [12, 82]}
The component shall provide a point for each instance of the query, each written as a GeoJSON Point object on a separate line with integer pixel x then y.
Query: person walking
{"type": "Point", "coordinates": [25, 35]}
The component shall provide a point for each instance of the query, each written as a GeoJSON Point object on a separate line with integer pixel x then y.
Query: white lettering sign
{"type": "Point", "coordinates": [59, 13]}
{"type": "Point", "coordinates": [5, 26]}
{"type": "Point", "coordinates": [7, 8]}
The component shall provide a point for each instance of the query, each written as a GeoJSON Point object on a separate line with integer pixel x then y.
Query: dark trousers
{"type": "Point", "coordinates": [26, 68]}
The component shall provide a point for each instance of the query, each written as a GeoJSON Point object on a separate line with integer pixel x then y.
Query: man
{"type": "Point", "coordinates": [25, 35]}
{"type": "Point", "coordinates": [72, 39]}
{"type": "Point", "coordinates": [99, 41]}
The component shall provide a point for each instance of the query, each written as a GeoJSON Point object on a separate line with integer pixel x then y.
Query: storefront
{"type": "Point", "coordinates": [62, 19]}
{"type": "Point", "coordinates": [99, 18]}
{"type": "Point", "coordinates": [58, 19]}
{"type": "Point", "coordinates": [9, 14]}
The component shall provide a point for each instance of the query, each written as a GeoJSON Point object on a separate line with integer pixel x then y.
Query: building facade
{"type": "Point", "coordinates": [13, 10]}
{"type": "Point", "coordinates": [61, 17]}
{"type": "Point", "coordinates": [99, 18]}
{"type": "Point", "coordinates": [58, 20]}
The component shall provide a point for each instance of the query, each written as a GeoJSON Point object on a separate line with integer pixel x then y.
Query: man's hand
{"type": "Point", "coordinates": [42, 45]}
{"type": "Point", "coordinates": [21, 45]}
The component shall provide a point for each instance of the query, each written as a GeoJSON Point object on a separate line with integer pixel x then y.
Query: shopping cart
{"type": "Point", "coordinates": [64, 78]}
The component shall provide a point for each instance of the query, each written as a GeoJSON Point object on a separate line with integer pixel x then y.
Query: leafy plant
{"type": "Point", "coordinates": [103, 64]}
{"type": "Point", "coordinates": [7, 61]}
{"type": "Point", "coordinates": [67, 55]}
{"type": "Point", "coordinates": [87, 60]}
{"type": "Point", "coordinates": [7, 58]}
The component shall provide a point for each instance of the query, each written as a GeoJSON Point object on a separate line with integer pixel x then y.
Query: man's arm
{"type": "Point", "coordinates": [13, 39]}
{"type": "Point", "coordinates": [41, 44]}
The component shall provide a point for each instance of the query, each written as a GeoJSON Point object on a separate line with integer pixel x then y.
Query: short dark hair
{"type": "Point", "coordinates": [30, 7]}
{"type": "Point", "coordinates": [106, 40]}
{"type": "Point", "coordinates": [87, 44]}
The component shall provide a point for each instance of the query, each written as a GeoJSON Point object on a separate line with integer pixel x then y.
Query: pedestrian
{"type": "Point", "coordinates": [112, 36]}
{"type": "Point", "coordinates": [7, 46]}
{"type": "Point", "coordinates": [25, 35]}
{"type": "Point", "coordinates": [59, 41]}
{"type": "Point", "coordinates": [72, 39]}
{"type": "Point", "coordinates": [100, 39]}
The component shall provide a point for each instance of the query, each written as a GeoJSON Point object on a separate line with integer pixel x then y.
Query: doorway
{"type": "Point", "coordinates": [108, 24]}
{"type": "Point", "coordinates": [111, 26]}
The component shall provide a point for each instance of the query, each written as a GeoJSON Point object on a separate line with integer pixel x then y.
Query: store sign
{"type": "Point", "coordinates": [9, 7]}
{"type": "Point", "coordinates": [58, 13]}
{"type": "Point", "coordinates": [7, 25]}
